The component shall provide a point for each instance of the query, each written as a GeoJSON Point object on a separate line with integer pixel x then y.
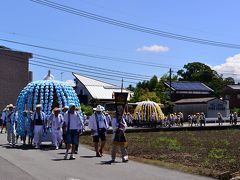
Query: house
{"type": "Point", "coordinates": [89, 89]}
{"type": "Point", "coordinates": [231, 93]}
{"type": "Point", "coordinates": [210, 106]}
{"type": "Point", "coordinates": [185, 89]}
{"type": "Point", "coordinates": [14, 74]}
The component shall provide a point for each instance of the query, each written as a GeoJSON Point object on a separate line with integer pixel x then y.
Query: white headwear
{"type": "Point", "coordinates": [38, 106]}
{"type": "Point", "coordinates": [99, 108]}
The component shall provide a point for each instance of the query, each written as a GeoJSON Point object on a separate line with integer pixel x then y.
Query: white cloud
{"type": "Point", "coordinates": [154, 48]}
{"type": "Point", "coordinates": [231, 68]}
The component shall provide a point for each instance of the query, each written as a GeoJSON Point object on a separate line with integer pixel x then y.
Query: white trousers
{"type": "Point", "coordinates": [38, 132]}
{"type": "Point", "coordinates": [11, 133]}
{"type": "Point", "coordinates": [56, 137]}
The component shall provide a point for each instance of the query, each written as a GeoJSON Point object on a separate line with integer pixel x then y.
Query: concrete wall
{"type": "Point", "coordinates": [210, 108]}
{"type": "Point", "coordinates": [215, 106]}
{"type": "Point", "coordinates": [14, 75]}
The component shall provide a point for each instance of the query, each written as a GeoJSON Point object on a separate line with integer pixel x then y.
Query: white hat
{"type": "Point", "coordinates": [99, 108]}
{"type": "Point", "coordinates": [65, 107]}
{"type": "Point", "coordinates": [38, 106]}
{"type": "Point", "coordinates": [71, 105]}
{"type": "Point", "coordinates": [10, 106]}
{"type": "Point", "coordinates": [56, 109]}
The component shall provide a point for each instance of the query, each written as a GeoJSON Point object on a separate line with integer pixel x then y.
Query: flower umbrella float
{"type": "Point", "coordinates": [148, 112]}
{"type": "Point", "coordinates": [49, 93]}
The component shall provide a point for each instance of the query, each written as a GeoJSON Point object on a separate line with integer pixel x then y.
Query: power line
{"type": "Point", "coordinates": [83, 68]}
{"type": "Point", "coordinates": [109, 58]}
{"type": "Point", "coordinates": [91, 67]}
{"type": "Point", "coordinates": [132, 26]}
{"type": "Point", "coordinates": [62, 68]}
{"type": "Point", "coordinates": [56, 60]}
{"type": "Point", "coordinates": [56, 64]}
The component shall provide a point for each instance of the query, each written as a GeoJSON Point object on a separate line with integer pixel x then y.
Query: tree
{"type": "Point", "coordinates": [88, 110]}
{"type": "Point", "coordinates": [153, 83]}
{"type": "Point", "coordinates": [196, 71]}
{"type": "Point", "coordinates": [229, 81]}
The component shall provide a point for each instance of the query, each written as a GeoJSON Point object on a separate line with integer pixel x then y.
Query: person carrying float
{"type": "Point", "coordinates": [55, 121]}
{"type": "Point", "coordinates": [39, 120]}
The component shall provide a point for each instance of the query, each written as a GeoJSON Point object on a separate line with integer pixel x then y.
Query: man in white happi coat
{"type": "Point", "coordinates": [98, 125]}
{"type": "Point", "coordinates": [11, 125]}
{"type": "Point", "coordinates": [73, 126]}
{"type": "Point", "coordinates": [56, 121]}
{"type": "Point", "coordinates": [39, 120]}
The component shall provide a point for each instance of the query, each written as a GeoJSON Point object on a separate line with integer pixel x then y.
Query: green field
{"type": "Point", "coordinates": [208, 152]}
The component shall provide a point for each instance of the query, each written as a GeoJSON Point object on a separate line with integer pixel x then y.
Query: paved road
{"type": "Point", "coordinates": [25, 164]}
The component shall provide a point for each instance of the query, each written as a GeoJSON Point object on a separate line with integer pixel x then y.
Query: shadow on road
{"type": "Point", "coordinates": [87, 156]}
{"type": "Point", "coordinates": [59, 159]}
{"type": "Point", "coordinates": [22, 147]}
{"type": "Point", "coordinates": [107, 162]}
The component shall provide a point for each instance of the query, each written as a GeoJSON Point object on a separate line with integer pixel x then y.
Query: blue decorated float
{"type": "Point", "coordinates": [49, 93]}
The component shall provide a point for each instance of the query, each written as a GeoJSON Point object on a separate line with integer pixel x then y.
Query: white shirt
{"type": "Point", "coordinates": [35, 115]}
{"type": "Point", "coordinates": [108, 118]}
{"type": "Point", "coordinates": [75, 121]}
{"type": "Point", "coordinates": [102, 122]}
{"type": "Point", "coordinates": [9, 117]}
{"type": "Point", "coordinates": [56, 121]}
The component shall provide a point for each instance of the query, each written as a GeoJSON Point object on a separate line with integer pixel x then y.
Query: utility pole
{"type": "Point", "coordinates": [170, 83]}
{"type": "Point", "coordinates": [61, 75]}
{"type": "Point", "coordinates": [122, 86]}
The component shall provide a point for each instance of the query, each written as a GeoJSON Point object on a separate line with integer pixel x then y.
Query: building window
{"type": "Point", "coordinates": [238, 96]}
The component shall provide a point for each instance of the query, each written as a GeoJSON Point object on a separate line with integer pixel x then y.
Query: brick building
{"type": "Point", "coordinates": [14, 74]}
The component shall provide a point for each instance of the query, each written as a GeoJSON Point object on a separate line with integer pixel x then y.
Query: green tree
{"type": "Point", "coordinates": [153, 83]}
{"type": "Point", "coordinates": [196, 71]}
{"type": "Point", "coordinates": [88, 110]}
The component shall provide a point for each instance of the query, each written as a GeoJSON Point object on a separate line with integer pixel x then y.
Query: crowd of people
{"type": "Point", "coordinates": [65, 126]}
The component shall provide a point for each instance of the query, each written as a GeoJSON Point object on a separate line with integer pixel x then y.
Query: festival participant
{"type": "Point", "coordinates": [129, 119]}
{"type": "Point", "coordinates": [56, 121]}
{"type": "Point", "coordinates": [39, 120]}
{"type": "Point", "coordinates": [231, 118]}
{"type": "Point", "coordinates": [79, 112]}
{"type": "Point", "coordinates": [64, 111]}
{"type": "Point", "coordinates": [3, 119]}
{"type": "Point", "coordinates": [119, 139]}
{"type": "Point", "coordinates": [139, 119]}
{"type": "Point", "coordinates": [220, 119]}
{"type": "Point", "coordinates": [23, 138]}
{"type": "Point", "coordinates": [202, 119]}
{"type": "Point", "coordinates": [30, 128]}
{"type": "Point", "coordinates": [108, 117]}
{"type": "Point", "coordinates": [98, 125]}
{"type": "Point", "coordinates": [235, 117]}
{"type": "Point", "coordinates": [11, 125]}
{"type": "Point", "coordinates": [74, 124]}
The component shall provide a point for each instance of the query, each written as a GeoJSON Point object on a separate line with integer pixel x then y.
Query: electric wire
{"type": "Point", "coordinates": [132, 26]}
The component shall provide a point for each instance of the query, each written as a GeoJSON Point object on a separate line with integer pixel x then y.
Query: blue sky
{"type": "Point", "coordinates": [25, 21]}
